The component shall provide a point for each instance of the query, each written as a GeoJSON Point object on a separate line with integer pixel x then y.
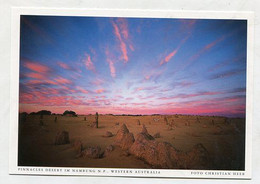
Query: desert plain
{"type": "Point", "coordinates": [222, 141]}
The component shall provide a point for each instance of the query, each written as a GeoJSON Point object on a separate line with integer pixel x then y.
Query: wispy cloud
{"type": "Point", "coordinates": [34, 66]}
{"type": "Point", "coordinates": [121, 32]}
{"type": "Point", "coordinates": [227, 61]}
{"type": "Point", "coordinates": [237, 90]}
{"type": "Point", "coordinates": [62, 80]}
{"type": "Point", "coordinates": [110, 61]}
{"type": "Point", "coordinates": [97, 82]}
{"type": "Point", "coordinates": [168, 57]}
{"type": "Point", "coordinates": [40, 82]}
{"type": "Point", "coordinates": [100, 91]}
{"type": "Point", "coordinates": [35, 75]}
{"type": "Point", "coordinates": [174, 52]}
{"type": "Point", "coordinates": [88, 63]}
{"type": "Point", "coordinates": [153, 74]}
{"type": "Point", "coordinates": [205, 49]}
{"type": "Point", "coordinates": [226, 74]}
{"type": "Point", "coordinates": [182, 84]}
{"type": "Point", "coordinates": [191, 95]}
{"type": "Point", "coordinates": [63, 65]}
{"type": "Point", "coordinates": [82, 90]}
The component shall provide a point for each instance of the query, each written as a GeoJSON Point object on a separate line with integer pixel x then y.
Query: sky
{"type": "Point", "coordinates": [133, 65]}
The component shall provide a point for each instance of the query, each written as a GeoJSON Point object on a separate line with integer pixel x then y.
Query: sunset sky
{"type": "Point", "coordinates": [133, 65]}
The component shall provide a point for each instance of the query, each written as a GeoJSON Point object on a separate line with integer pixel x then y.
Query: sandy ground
{"type": "Point", "coordinates": [36, 142]}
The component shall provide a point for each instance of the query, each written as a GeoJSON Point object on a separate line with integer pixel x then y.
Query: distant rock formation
{"type": "Point", "coordinates": [96, 118]}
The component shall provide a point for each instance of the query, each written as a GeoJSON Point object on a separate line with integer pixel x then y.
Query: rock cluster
{"type": "Point", "coordinates": [160, 154]}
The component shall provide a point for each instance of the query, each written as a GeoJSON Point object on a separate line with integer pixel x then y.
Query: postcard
{"type": "Point", "coordinates": [131, 93]}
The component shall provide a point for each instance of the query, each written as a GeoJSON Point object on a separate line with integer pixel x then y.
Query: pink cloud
{"type": "Point", "coordinates": [111, 63]}
{"type": "Point", "coordinates": [122, 43]}
{"type": "Point", "coordinates": [36, 67]}
{"type": "Point", "coordinates": [62, 80]}
{"type": "Point", "coordinates": [98, 82]}
{"type": "Point", "coordinates": [89, 64]}
{"type": "Point", "coordinates": [112, 69]}
{"type": "Point", "coordinates": [147, 77]}
{"type": "Point", "coordinates": [187, 24]}
{"type": "Point", "coordinates": [211, 93]}
{"type": "Point", "coordinates": [174, 52]}
{"type": "Point", "coordinates": [129, 98]}
{"type": "Point", "coordinates": [168, 57]}
{"type": "Point", "coordinates": [35, 75]}
{"type": "Point", "coordinates": [75, 75]}
{"type": "Point", "coordinates": [152, 74]}
{"type": "Point", "coordinates": [205, 49]}
{"type": "Point", "coordinates": [100, 91]}
{"type": "Point", "coordinates": [39, 82]}
{"type": "Point", "coordinates": [82, 90]}
{"type": "Point", "coordinates": [123, 27]}
{"type": "Point", "coordinates": [63, 65]}
{"type": "Point", "coordinates": [137, 89]}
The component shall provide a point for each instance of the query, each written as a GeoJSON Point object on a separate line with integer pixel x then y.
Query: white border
{"type": "Point", "coordinates": [15, 37]}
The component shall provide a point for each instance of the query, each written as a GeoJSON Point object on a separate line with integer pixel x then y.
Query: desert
{"type": "Point", "coordinates": [132, 141]}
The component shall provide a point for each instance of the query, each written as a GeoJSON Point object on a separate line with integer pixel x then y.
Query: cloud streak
{"type": "Point", "coordinates": [34, 66]}
{"type": "Point", "coordinates": [110, 61]}
{"type": "Point", "coordinates": [63, 65]}
{"type": "Point", "coordinates": [88, 63]}
{"type": "Point", "coordinates": [121, 32]}
{"type": "Point", "coordinates": [226, 74]}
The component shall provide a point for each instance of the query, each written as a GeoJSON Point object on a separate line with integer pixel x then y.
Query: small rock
{"type": "Point", "coordinates": [92, 152]}
{"type": "Point", "coordinates": [169, 128]}
{"type": "Point", "coordinates": [108, 150]}
{"type": "Point", "coordinates": [108, 134]}
{"type": "Point", "coordinates": [138, 122]}
{"type": "Point", "coordinates": [157, 135]}
{"type": "Point", "coordinates": [62, 138]}
{"type": "Point", "coordinates": [125, 153]}
{"type": "Point", "coordinates": [78, 146]}
{"type": "Point", "coordinates": [94, 125]}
